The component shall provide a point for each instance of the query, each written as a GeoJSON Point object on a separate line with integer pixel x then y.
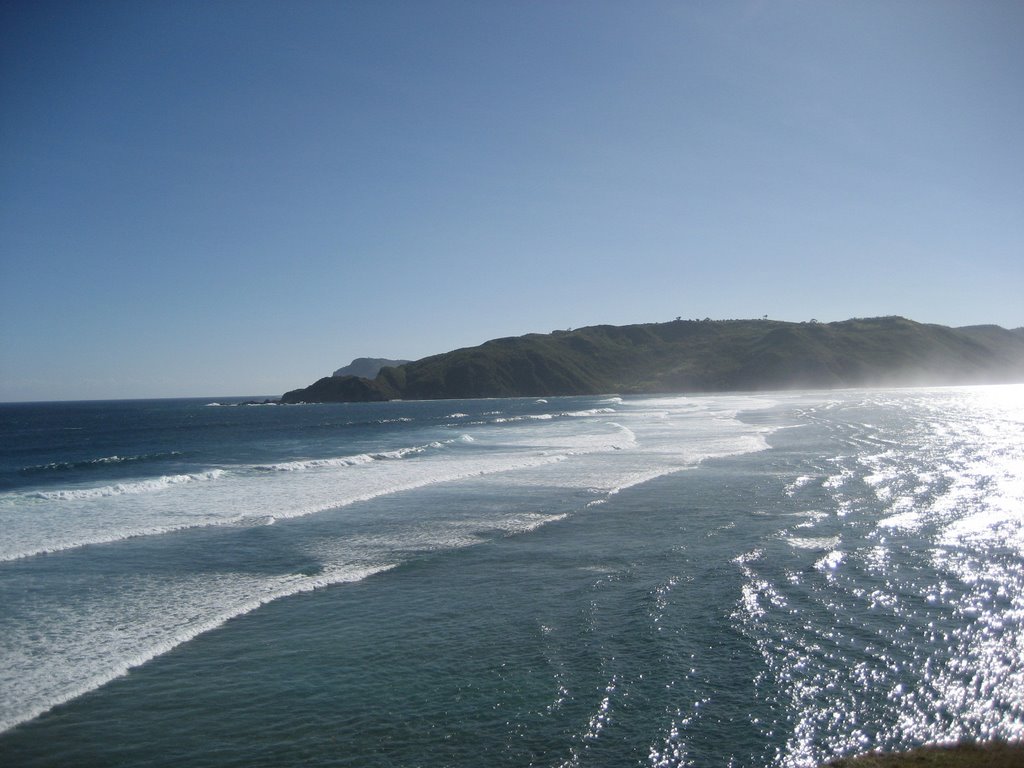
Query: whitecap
{"type": "Point", "coordinates": [104, 670]}
{"type": "Point", "coordinates": [813, 542]}
{"type": "Point", "coordinates": [346, 461]}
{"type": "Point", "coordinates": [121, 489]}
{"type": "Point", "coordinates": [797, 484]}
{"type": "Point", "coordinates": [830, 562]}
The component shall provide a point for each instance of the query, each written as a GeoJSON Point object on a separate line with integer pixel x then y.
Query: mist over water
{"type": "Point", "coordinates": [715, 580]}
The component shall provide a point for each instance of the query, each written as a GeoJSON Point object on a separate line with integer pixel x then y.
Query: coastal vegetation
{"type": "Point", "coordinates": [696, 356]}
{"type": "Point", "coordinates": [994, 755]}
{"type": "Point", "coordinates": [367, 367]}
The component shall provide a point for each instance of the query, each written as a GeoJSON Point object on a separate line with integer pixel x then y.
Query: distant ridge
{"type": "Point", "coordinates": [696, 356]}
{"type": "Point", "coordinates": [366, 367]}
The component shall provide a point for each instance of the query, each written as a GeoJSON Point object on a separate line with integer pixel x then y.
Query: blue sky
{"type": "Point", "coordinates": [215, 198]}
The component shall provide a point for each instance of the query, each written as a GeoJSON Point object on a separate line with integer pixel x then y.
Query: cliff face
{"type": "Point", "coordinates": [703, 356]}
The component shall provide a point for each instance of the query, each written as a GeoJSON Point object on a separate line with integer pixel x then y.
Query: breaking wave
{"type": "Point", "coordinates": [102, 674]}
{"type": "Point", "coordinates": [550, 416]}
{"type": "Point", "coordinates": [102, 461]}
{"type": "Point", "coordinates": [348, 461]}
{"type": "Point", "coordinates": [121, 489]}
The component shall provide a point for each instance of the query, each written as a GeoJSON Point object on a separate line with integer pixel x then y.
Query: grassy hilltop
{"type": "Point", "coordinates": [696, 356]}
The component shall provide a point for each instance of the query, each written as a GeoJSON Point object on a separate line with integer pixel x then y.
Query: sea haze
{"type": "Point", "coordinates": [744, 580]}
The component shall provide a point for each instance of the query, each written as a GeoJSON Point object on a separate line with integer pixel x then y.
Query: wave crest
{"type": "Point", "coordinates": [121, 489]}
{"type": "Point", "coordinates": [550, 416]}
{"type": "Point", "coordinates": [102, 461]}
{"type": "Point", "coordinates": [347, 461]}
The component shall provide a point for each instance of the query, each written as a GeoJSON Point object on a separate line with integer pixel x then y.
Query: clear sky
{"type": "Point", "coordinates": [216, 198]}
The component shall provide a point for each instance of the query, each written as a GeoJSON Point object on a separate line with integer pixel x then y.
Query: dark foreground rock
{"type": "Point", "coordinates": [995, 755]}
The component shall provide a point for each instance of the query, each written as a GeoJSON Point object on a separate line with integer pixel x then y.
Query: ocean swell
{"type": "Point", "coordinates": [121, 489]}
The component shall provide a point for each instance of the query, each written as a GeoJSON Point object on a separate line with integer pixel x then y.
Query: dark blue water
{"type": "Point", "coordinates": [718, 581]}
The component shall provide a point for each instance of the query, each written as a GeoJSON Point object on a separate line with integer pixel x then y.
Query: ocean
{"type": "Point", "coordinates": [735, 580]}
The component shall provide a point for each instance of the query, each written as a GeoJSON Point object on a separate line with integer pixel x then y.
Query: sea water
{"type": "Point", "coordinates": [719, 580]}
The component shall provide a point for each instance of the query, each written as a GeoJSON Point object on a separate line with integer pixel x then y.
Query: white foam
{"type": "Point", "coordinates": [307, 464]}
{"type": "Point", "coordinates": [120, 489]}
{"type": "Point", "coordinates": [67, 521]}
{"type": "Point", "coordinates": [568, 449]}
{"type": "Point", "coordinates": [57, 466]}
{"type": "Point", "coordinates": [910, 520]}
{"type": "Point", "coordinates": [831, 561]}
{"type": "Point", "coordinates": [813, 542]}
{"type": "Point", "coordinates": [641, 445]}
{"type": "Point", "coordinates": [350, 461]}
{"type": "Point", "coordinates": [153, 619]}
{"type": "Point", "coordinates": [550, 416]}
{"type": "Point", "coordinates": [16, 547]}
{"type": "Point", "coordinates": [629, 436]}
{"type": "Point", "coordinates": [797, 484]}
{"type": "Point", "coordinates": [87, 462]}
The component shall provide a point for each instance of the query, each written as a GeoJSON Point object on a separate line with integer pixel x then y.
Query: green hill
{"type": "Point", "coordinates": [696, 356]}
